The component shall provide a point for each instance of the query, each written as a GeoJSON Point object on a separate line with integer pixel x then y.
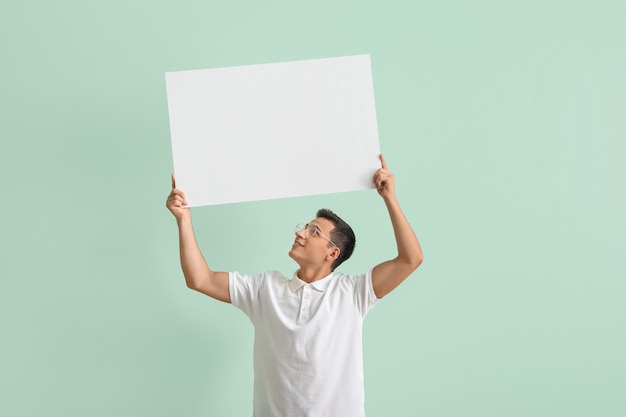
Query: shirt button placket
{"type": "Point", "coordinates": [304, 309]}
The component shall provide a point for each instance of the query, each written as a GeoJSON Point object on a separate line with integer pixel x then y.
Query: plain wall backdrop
{"type": "Point", "coordinates": [502, 120]}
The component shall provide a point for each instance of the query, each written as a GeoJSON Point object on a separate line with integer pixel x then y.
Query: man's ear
{"type": "Point", "coordinates": [334, 253]}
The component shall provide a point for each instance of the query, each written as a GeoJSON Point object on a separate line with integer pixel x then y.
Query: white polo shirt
{"type": "Point", "coordinates": [308, 358]}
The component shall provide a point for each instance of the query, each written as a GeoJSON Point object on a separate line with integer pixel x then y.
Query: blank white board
{"type": "Point", "coordinates": [269, 131]}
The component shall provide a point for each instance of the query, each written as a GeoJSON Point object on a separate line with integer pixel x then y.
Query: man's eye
{"type": "Point", "coordinates": [315, 231]}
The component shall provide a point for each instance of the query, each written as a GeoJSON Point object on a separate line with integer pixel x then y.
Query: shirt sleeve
{"type": "Point", "coordinates": [244, 291]}
{"type": "Point", "coordinates": [364, 295]}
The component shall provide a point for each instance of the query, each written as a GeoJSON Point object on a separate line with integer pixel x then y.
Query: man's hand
{"type": "Point", "coordinates": [384, 180]}
{"type": "Point", "coordinates": [175, 202]}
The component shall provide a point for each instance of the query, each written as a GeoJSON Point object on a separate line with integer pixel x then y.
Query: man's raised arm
{"type": "Point", "coordinates": [197, 273]}
{"type": "Point", "coordinates": [388, 275]}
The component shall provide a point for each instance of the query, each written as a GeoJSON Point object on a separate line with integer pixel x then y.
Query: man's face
{"type": "Point", "coordinates": [312, 249]}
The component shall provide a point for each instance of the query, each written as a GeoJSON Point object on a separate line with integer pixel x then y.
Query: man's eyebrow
{"type": "Point", "coordinates": [312, 225]}
{"type": "Point", "coordinates": [319, 228]}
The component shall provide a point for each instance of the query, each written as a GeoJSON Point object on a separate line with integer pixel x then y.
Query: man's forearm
{"type": "Point", "coordinates": [388, 275]}
{"type": "Point", "coordinates": [192, 262]}
{"type": "Point", "coordinates": [409, 249]}
{"type": "Point", "coordinates": [197, 273]}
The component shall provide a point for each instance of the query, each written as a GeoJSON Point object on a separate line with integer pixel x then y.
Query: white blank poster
{"type": "Point", "coordinates": [269, 131]}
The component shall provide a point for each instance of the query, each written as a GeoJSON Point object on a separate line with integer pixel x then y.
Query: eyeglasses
{"type": "Point", "coordinates": [312, 231]}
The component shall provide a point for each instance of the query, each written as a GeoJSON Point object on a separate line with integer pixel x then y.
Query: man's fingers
{"type": "Point", "coordinates": [379, 179]}
{"type": "Point", "coordinates": [173, 181]}
{"type": "Point", "coordinates": [177, 195]}
{"type": "Point", "coordinates": [176, 201]}
{"type": "Point", "coordinates": [176, 191]}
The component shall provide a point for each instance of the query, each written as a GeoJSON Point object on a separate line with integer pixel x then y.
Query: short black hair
{"type": "Point", "coordinates": [342, 236]}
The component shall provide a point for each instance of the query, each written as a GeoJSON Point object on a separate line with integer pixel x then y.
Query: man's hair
{"type": "Point", "coordinates": [342, 236]}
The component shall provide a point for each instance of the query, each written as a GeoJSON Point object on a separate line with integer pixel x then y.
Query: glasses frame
{"type": "Point", "coordinates": [313, 231]}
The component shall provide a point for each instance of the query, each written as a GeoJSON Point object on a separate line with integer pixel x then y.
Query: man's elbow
{"type": "Point", "coordinates": [416, 260]}
{"type": "Point", "coordinates": [411, 263]}
{"type": "Point", "coordinates": [193, 284]}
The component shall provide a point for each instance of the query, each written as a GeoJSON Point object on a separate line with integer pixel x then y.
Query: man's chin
{"type": "Point", "coordinates": [292, 253]}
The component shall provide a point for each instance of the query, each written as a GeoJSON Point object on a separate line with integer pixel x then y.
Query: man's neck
{"type": "Point", "coordinates": [311, 274]}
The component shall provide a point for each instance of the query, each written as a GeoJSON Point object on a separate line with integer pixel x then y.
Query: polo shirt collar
{"type": "Point", "coordinates": [320, 285]}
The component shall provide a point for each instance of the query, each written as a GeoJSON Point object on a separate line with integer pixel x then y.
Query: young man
{"type": "Point", "coordinates": [308, 344]}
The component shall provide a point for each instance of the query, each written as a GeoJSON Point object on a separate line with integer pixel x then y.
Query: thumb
{"type": "Point", "coordinates": [173, 181]}
{"type": "Point", "coordinates": [383, 162]}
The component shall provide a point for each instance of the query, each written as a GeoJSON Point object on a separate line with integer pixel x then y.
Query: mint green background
{"type": "Point", "coordinates": [503, 122]}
